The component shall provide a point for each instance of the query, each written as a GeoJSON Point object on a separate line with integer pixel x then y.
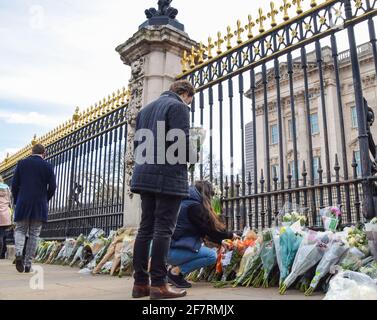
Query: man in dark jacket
{"type": "Point", "coordinates": [162, 185]}
{"type": "Point", "coordinates": [33, 186]}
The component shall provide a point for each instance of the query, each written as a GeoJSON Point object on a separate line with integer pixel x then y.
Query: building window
{"type": "Point", "coordinates": [358, 168]}
{"type": "Point", "coordinates": [290, 129]}
{"type": "Point", "coordinates": [354, 117]}
{"type": "Point", "coordinates": [315, 168]}
{"type": "Point", "coordinates": [275, 170]}
{"type": "Point", "coordinates": [293, 170]}
{"type": "Point", "coordinates": [274, 134]}
{"type": "Point", "coordinates": [314, 123]}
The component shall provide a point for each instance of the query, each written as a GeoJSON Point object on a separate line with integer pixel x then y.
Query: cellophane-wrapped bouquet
{"type": "Point", "coordinates": [310, 252]}
{"type": "Point", "coordinates": [371, 232]}
{"type": "Point", "coordinates": [331, 217]}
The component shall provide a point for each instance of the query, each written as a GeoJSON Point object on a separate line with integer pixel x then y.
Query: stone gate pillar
{"type": "Point", "coordinates": [154, 54]}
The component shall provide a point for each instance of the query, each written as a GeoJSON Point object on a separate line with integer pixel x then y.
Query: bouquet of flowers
{"type": "Point", "coordinates": [251, 260]}
{"type": "Point", "coordinates": [357, 238]}
{"type": "Point", "coordinates": [289, 244]}
{"type": "Point", "coordinates": [232, 254]}
{"type": "Point", "coordinates": [331, 217]}
{"type": "Point", "coordinates": [79, 242]}
{"type": "Point", "coordinates": [268, 256]}
{"type": "Point", "coordinates": [197, 137]}
{"type": "Point", "coordinates": [370, 269]}
{"type": "Point", "coordinates": [310, 252]}
{"type": "Point", "coordinates": [216, 201]}
{"type": "Point", "coordinates": [371, 232]}
{"type": "Point", "coordinates": [331, 257]}
{"type": "Point", "coordinates": [290, 214]}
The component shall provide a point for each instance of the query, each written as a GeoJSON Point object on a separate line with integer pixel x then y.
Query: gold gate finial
{"type": "Point", "coordinates": [201, 52]}
{"type": "Point", "coordinates": [272, 14]}
{"type": "Point", "coordinates": [284, 8]}
{"type": "Point", "coordinates": [219, 42]}
{"type": "Point", "coordinates": [239, 32]}
{"type": "Point", "coordinates": [249, 27]}
{"type": "Point", "coordinates": [210, 46]}
{"type": "Point", "coordinates": [76, 115]}
{"type": "Point", "coordinates": [313, 3]}
{"type": "Point", "coordinates": [185, 60]}
{"type": "Point", "coordinates": [228, 38]}
{"type": "Point", "coordinates": [192, 57]}
{"type": "Point", "coordinates": [298, 6]}
{"type": "Point", "coordinates": [261, 19]}
{"type": "Point", "coordinates": [34, 141]}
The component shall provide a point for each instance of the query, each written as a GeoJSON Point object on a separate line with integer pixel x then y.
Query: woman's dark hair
{"type": "Point", "coordinates": [183, 86]}
{"type": "Point", "coordinates": [206, 190]}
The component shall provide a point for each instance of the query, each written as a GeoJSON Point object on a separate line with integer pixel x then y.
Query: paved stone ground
{"type": "Point", "coordinates": [62, 283]}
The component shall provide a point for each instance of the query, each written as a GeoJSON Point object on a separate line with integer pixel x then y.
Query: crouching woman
{"type": "Point", "coordinates": [196, 221]}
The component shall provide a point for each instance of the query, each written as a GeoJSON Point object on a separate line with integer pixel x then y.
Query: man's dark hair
{"type": "Point", "coordinates": [38, 149]}
{"type": "Point", "coordinates": [183, 86]}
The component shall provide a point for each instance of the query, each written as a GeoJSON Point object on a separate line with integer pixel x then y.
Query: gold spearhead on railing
{"type": "Point", "coordinates": [298, 6]}
{"type": "Point", "coordinates": [239, 32]}
{"type": "Point", "coordinates": [192, 57]}
{"type": "Point", "coordinates": [228, 38]}
{"type": "Point", "coordinates": [284, 8]}
{"type": "Point", "coordinates": [260, 20]}
{"type": "Point", "coordinates": [76, 115]}
{"type": "Point", "coordinates": [34, 140]}
{"type": "Point", "coordinates": [184, 62]}
{"type": "Point", "coordinates": [272, 14]}
{"type": "Point", "coordinates": [201, 52]}
{"type": "Point", "coordinates": [210, 46]}
{"type": "Point", "coordinates": [313, 3]}
{"type": "Point", "coordinates": [249, 27]}
{"type": "Point", "coordinates": [219, 42]}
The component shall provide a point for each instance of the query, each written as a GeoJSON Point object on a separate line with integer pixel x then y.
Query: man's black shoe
{"type": "Point", "coordinates": [20, 264]}
{"type": "Point", "coordinates": [178, 280]}
{"type": "Point", "coordinates": [27, 269]}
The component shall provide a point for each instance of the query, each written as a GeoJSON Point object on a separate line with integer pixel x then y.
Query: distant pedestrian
{"type": "Point", "coordinates": [33, 186]}
{"type": "Point", "coordinates": [5, 212]}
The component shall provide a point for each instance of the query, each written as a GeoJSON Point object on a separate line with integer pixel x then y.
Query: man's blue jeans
{"type": "Point", "coordinates": [189, 261]}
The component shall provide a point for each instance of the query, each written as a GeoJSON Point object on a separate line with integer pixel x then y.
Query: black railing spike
{"type": "Point", "coordinates": [354, 163]}
{"type": "Point", "coordinates": [289, 175]}
{"type": "Point", "coordinates": [261, 176]}
{"type": "Point", "coordinates": [336, 167]}
{"type": "Point", "coordinates": [320, 170]}
{"type": "Point", "coordinates": [304, 172]}
{"type": "Point", "coordinates": [237, 179]}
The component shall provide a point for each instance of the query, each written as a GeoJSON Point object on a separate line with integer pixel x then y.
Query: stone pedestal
{"type": "Point", "coordinates": [154, 55]}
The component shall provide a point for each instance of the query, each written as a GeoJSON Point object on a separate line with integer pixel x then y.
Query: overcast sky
{"type": "Point", "coordinates": [55, 55]}
{"type": "Point", "coordinates": [59, 54]}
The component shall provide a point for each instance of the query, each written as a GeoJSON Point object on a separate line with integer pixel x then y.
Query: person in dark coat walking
{"type": "Point", "coordinates": [196, 221]}
{"type": "Point", "coordinates": [33, 186]}
{"type": "Point", "coordinates": [162, 185]}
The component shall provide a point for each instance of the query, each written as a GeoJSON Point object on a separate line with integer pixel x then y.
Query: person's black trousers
{"type": "Point", "coordinates": [158, 221]}
{"type": "Point", "coordinates": [3, 244]}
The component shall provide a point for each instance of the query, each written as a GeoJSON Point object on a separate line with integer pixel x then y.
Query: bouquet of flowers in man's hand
{"type": "Point", "coordinates": [331, 218]}
{"type": "Point", "coordinates": [310, 252]}
{"type": "Point", "coordinates": [371, 232]}
{"type": "Point", "coordinates": [197, 137]}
